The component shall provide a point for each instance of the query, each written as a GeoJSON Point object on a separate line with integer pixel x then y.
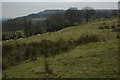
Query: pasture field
{"type": "Point", "coordinates": [71, 32]}
{"type": "Point", "coordinates": [92, 60]}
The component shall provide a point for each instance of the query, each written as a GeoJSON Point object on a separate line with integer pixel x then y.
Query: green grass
{"type": "Point", "coordinates": [27, 69]}
{"type": "Point", "coordinates": [70, 32]}
{"type": "Point", "coordinates": [93, 60]}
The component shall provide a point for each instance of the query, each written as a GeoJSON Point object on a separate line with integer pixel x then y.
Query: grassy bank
{"type": "Point", "coordinates": [94, 60]}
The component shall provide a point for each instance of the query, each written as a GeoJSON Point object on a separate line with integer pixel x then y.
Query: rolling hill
{"type": "Point", "coordinates": [42, 14]}
{"type": "Point", "coordinates": [92, 60]}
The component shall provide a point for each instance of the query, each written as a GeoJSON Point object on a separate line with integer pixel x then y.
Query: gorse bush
{"type": "Point", "coordinates": [15, 53]}
{"type": "Point", "coordinates": [11, 54]}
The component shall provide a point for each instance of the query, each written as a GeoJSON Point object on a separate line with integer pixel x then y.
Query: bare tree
{"type": "Point", "coordinates": [88, 13]}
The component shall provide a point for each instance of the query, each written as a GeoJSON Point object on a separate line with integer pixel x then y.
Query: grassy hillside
{"type": "Point", "coordinates": [70, 32]}
{"type": "Point", "coordinates": [93, 60]}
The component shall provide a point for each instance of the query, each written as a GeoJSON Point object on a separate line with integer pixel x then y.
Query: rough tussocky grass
{"type": "Point", "coordinates": [93, 60]}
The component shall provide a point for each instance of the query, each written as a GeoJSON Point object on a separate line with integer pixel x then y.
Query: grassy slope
{"type": "Point", "coordinates": [68, 33]}
{"type": "Point", "coordinates": [93, 60]}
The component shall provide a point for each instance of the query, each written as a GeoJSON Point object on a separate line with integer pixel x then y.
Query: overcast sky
{"type": "Point", "coordinates": [17, 9]}
{"type": "Point", "coordinates": [60, 0]}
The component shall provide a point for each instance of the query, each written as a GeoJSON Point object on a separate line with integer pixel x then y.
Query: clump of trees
{"type": "Point", "coordinates": [12, 35]}
{"type": "Point", "coordinates": [56, 22]}
{"type": "Point", "coordinates": [88, 13]}
{"type": "Point", "coordinates": [73, 15]}
{"type": "Point", "coordinates": [29, 31]}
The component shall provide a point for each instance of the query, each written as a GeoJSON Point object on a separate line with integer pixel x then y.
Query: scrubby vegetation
{"type": "Point", "coordinates": [12, 54]}
{"type": "Point", "coordinates": [12, 35]}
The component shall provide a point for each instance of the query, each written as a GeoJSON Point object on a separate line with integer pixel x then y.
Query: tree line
{"type": "Point", "coordinates": [55, 22]}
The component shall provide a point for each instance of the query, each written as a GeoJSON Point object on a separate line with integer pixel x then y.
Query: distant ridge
{"type": "Point", "coordinates": [43, 14]}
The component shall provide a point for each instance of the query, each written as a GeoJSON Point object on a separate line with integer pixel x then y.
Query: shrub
{"type": "Point", "coordinates": [106, 27]}
{"type": "Point", "coordinates": [33, 54]}
{"type": "Point", "coordinates": [103, 23]}
{"type": "Point", "coordinates": [26, 53]}
{"type": "Point", "coordinates": [5, 63]}
{"type": "Point", "coordinates": [6, 49]}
